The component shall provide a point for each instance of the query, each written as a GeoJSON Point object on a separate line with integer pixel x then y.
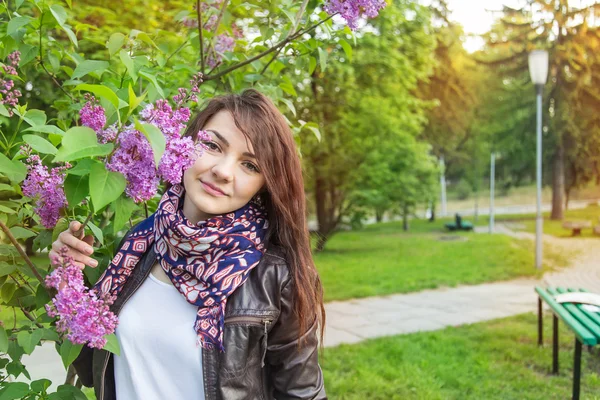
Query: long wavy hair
{"type": "Point", "coordinates": [264, 126]}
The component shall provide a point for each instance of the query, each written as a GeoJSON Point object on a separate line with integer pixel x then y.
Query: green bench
{"type": "Point", "coordinates": [584, 323]}
{"type": "Point", "coordinates": [459, 224]}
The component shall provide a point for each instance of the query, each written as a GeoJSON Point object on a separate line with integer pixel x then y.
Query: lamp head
{"type": "Point", "coordinates": [538, 67]}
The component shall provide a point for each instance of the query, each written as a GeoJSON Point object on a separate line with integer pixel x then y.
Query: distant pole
{"type": "Point", "coordinates": [492, 185]}
{"type": "Point", "coordinates": [443, 185]}
{"type": "Point", "coordinates": [539, 229]}
{"type": "Point", "coordinates": [538, 69]}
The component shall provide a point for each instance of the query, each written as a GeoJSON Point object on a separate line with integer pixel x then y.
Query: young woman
{"type": "Point", "coordinates": [217, 293]}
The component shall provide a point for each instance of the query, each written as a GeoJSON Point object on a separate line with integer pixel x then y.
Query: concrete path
{"type": "Point", "coordinates": [356, 320]}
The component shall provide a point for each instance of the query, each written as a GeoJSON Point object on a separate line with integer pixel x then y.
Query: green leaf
{"type": "Point", "coordinates": [28, 341]}
{"type": "Point", "coordinates": [17, 23]}
{"type": "Point", "coordinates": [152, 79]}
{"type": "Point", "coordinates": [40, 385]}
{"type": "Point", "coordinates": [314, 128]}
{"type": "Point", "coordinates": [76, 188]}
{"type": "Point", "coordinates": [143, 36]}
{"type": "Point", "coordinates": [45, 129]}
{"type": "Point", "coordinates": [4, 111]}
{"type": "Point", "coordinates": [40, 144]}
{"type": "Point", "coordinates": [134, 101]}
{"type": "Point", "coordinates": [112, 344]}
{"type": "Point", "coordinates": [59, 13]}
{"type": "Point", "coordinates": [288, 87]}
{"type": "Point", "coordinates": [14, 170]}
{"type": "Point", "coordinates": [123, 208]}
{"type": "Point", "coordinates": [49, 334]}
{"type": "Point", "coordinates": [89, 66]}
{"type": "Point", "coordinates": [347, 49]}
{"type": "Point", "coordinates": [7, 188]}
{"type": "Point", "coordinates": [35, 117]}
{"type": "Point", "coordinates": [41, 298]}
{"type": "Point", "coordinates": [7, 210]}
{"type": "Point", "coordinates": [289, 105]}
{"type": "Point", "coordinates": [80, 142]}
{"type": "Point", "coordinates": [14, 390]}
{"type": "Point", "coordinates": [3, 341]}
{"type": "Point", "coordinates": [71, 35]}
{"type": "Point", "coordinates": [115, 42]}
{"type": "Point", "coordinates": [69, 352]}
{"type": "Point", "coordinates": [156, 138]}
{"type": "Point", "coordinates": [69, 392]}
{"type": "Point", "coordinates": [28, 53]}
{"type": "Point", "coordinates": [252, 77]}
{"type": "Point", "coordinates": [21, 233]}
{"type": "Point", "coordinates": [83, 167]}
{"type": "Point", "coordinates": [97, 232]}
{"type": "Point", "coordinates": [101, 91]}
{"type": "Point", "coordinates": [128, 62]}
{"type": "Point", "coordinates": [105, 186]}
{"type": "Point", "coordinates": [6, 268]}
{"type": "Point", "coordinates": [7, 291]}
{"type": "Point", "coordinates": [323, 59]}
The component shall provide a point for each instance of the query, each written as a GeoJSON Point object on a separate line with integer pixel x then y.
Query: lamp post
{"type": "Point", "coordinates": [538, 69]}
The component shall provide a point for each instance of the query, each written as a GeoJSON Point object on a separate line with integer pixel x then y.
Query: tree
{"type": "Point", "coordinates": [368, 105]}
{"type": "Point", "coordinates": [563, 29]}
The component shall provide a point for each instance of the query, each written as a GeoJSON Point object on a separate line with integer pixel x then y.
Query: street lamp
{"type": "Point", "coordinates": [538, 69]}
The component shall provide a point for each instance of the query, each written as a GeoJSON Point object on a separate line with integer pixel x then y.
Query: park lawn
{"type": "Point", "coordinates": [491, 360]}
{"type": "Point", "coordinates": [554, 228]}
{"type": "Point", "coordinates": [381, 259]}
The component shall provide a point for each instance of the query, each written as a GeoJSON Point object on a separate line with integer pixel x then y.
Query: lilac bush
{"type": "Point", "coordinates": [10, 95]}
{"type": "Point", "coordinates": [353, 10]}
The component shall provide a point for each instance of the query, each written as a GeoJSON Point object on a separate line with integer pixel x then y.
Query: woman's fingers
{"type": "Point", "coordinates": [67, 238]}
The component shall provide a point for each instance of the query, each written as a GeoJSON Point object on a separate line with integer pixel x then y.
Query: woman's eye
{"type": "Point", "coordinates": [251, 166]}
{"type": "Point", "coordinates": [211, 145]}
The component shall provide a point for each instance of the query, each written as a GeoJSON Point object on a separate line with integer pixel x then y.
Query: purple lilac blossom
{"type": "Point", "coordinates": [134, 159]}
{"type": "Point", "coordinates": [223, 44]}
{"type": "Point", "coordinates": [47, 187]}
{"type": "Point", "coordinates": [352, 10]}
{"type": "Point", "coordinates": [92, 115]}
{"type": "Point", "coordinates": [82, 315]}
{"type": "Point", "coordinates": [7, 86]}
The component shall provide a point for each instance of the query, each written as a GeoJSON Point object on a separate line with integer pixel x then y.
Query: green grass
{"type": "Point", "coordinates": [381, 259]}
{"type": "Point", "coordinates": [491, 360]}
{"type": "Point", "coordinates": [554, 228]}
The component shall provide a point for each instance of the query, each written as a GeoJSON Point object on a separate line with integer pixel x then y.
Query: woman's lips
{"type": "Point", "coordinates": [210, 189]}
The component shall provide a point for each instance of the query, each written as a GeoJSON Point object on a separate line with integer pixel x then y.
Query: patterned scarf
{"type": "Point", "coordinates": [205, 262]}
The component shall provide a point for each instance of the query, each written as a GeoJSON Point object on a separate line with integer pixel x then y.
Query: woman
{"type": "Point", "coordinates": [217, 293]}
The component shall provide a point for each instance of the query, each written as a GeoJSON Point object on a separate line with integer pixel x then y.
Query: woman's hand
{"type": "Point", "coordinates": [79, 248]}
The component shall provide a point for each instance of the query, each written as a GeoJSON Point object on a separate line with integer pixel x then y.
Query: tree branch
{"type": "Point", "coordinates": [22, 253]}
{"type": "Point", "coordinates": [201, 39]}
{"type": "Point", "coordinates": [266, 52]}
{"type": "Point", "coordinates": [44, 66]}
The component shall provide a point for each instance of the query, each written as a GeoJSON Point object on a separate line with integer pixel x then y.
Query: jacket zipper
{"type": "Point", "coordinates": [108, 357]}
{"type": "Point", "coordinates": [255, 320]}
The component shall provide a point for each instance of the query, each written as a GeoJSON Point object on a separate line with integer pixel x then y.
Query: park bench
{"type": "Point", "coordinates": [576, 226]}
{"type": "Point", "coordinates": [459, 224]}
{"type": "Point", "coordinates": [584, 323]}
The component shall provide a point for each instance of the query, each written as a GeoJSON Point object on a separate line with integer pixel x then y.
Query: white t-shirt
{"type": "Point", "coordinates": [159, 357]}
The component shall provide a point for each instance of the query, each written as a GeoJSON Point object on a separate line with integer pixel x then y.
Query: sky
{"type": "Point", "coordinates": [476, 17]}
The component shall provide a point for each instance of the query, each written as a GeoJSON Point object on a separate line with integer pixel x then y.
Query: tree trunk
{"type": "Point", "coordinates": [432, 217]}
{"type": "Point", "coordinates": [324, 219]}
{"type": "Point", "coordinates": [558, 183]}
{"type": "Point", "coordinates": [378, 216]}
{"type": "Point", "coordinates": [405, 218]}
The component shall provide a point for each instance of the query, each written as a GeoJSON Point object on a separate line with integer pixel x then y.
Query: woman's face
{"type": "Point", "coordinates": [226, 176]}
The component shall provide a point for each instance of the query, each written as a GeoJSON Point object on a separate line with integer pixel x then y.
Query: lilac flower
{"type": "Point", "coordinates": [10, 94]}
{"type": "Point", "coordinates": [184, 96]}
{"type": "Point", "coordinates": [223, 44]}
{"type": "Point", "coordinates": [135, 160]}
{"type": "Point", "coordinates": [47, 187]}
{"type": "Point", "coordinates": [162, 115]}
{"type": "Point", "coordinates": [179, 155]}
{"type": "Point", "coordinates": [92, 114]}
{"type": "Point", "coordinates": [352, 10]}
{"type": "Point", "coordinates": [82, 315]}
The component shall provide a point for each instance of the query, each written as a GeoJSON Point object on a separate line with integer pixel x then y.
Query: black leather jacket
{"type": "Point", "coordinates": [261, 359]}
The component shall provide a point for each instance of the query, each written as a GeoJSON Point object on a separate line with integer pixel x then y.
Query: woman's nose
{"type": "Point", "coordinates": [223, 170]}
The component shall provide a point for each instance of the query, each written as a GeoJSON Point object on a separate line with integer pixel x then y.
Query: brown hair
{"type": "Point", "coordinates": [277, 157]}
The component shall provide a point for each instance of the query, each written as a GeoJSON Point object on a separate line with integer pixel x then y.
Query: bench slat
{"type": "Point", "coordinates": [581, 315]}
{"type": "Point", "coordinates": [583, 334]}
{"type": "Point", "coordinates": [594, 316]}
